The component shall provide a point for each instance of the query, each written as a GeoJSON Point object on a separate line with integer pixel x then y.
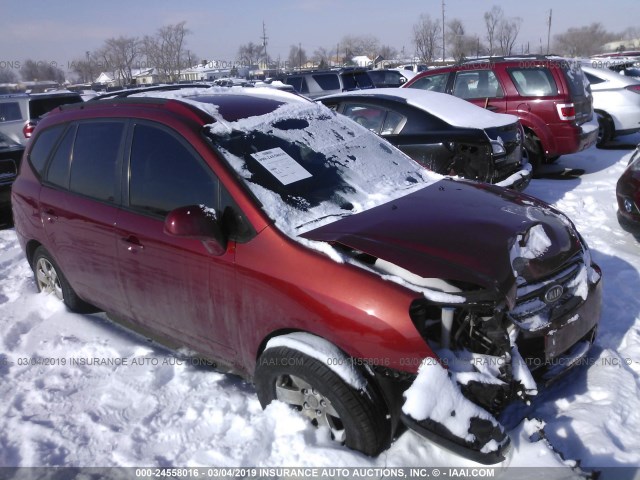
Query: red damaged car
{"type": "Point", "coordinates": [295, 247]}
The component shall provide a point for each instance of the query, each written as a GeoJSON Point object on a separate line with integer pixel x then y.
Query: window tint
{"type": "Point", "coordinates": [593, 80]}
{"type": "Point", "coordinates": [356, 80]}
{"type": "Point", "coordinates": [40, 106]}
{"type": "Point", "coordinates": [58, 171]}
{"type": "Point", "coordinates": [534, 82]}
{"type": "Point", "coordinates": [10, 111]}
{"type": "Point", "coordinates": [164, 174]}
{"type": "Point", "coordinates": [367, 116]}
{"type": "Point", "coordinates": [298, 84]}
{"type": "Point", "coordinates": [477, 84]}
{"type": "Point", "coordinates": [43, 145]}
{"type": "Point", "coordinates": [327, 81]}
{"type": "Point", "coordinates": [95, 155]}
{"type": "Point", "coordinates": [433, 83]}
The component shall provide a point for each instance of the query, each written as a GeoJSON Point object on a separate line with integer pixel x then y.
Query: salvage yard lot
{"type": "Point", "coordinates": [80, 391]}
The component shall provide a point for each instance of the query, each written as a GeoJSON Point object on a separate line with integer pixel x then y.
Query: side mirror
{"type": "Point", "coordinates": [199, 223]}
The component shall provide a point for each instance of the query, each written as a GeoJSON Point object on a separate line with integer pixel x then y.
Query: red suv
{"type": "Point", "coordinates": [289, 244]}
{"type": "Point", "coordinates": [549, 94]}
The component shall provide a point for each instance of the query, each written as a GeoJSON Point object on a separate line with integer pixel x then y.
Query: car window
{"type": "Point", "coordinates": [10, 111]}
{"type": "Point", "coordinates": [534, 82]}
{"type": "Point", "coordinates": [593, 80]}
{"type": "Point", "coordinates": [327, 81]}
{"type": "Point", "coordinates": [165, 174]}
{"type": "Point", "coordinates": [58, 170]}
{"type": "Point", "coordinates": [477, 84]}
{"type": "Point", "coordinates": [367, 116]}
{"type": "Point", "coordinates": [40, 106]}
{"type": "Point", "coordinates": [356, 80]}
{"type": "Point", "coordinates": [391, 123]}
{"type": "Point", "coordinates": [298, 84]}
{"type": "Point", "coordinates": [95, 155]}
{"type": "Point", "coordinates": [433, 83]}
{"type": "Point", "coordinates": [43, 145]}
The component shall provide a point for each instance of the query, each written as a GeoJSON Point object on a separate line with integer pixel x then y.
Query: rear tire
{"type": "Point", "coordinates": [533, 150]}
{"type": "Point", "coordinates": [50, 279]}
{"type": "Point", "coordinates": [605, 129]}
{"type": "Point", "coordinates": [357, 418]}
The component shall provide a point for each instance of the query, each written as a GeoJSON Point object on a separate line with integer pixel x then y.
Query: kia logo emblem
{"type": "Point", "coordinates": [553, 294]}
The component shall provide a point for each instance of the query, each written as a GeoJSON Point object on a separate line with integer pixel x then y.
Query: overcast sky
{"type": "Point", "coordinates": [59, 32]}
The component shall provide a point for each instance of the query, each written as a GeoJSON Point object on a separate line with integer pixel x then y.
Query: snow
{"type": "Point", "coordinates": [163, 409]}
{"type": "Point", "coordinates": [453, 110]}
{"type": "Point", "coordinates": [448, 407]}
{"type": "Point", "coordinates": [330, 355]}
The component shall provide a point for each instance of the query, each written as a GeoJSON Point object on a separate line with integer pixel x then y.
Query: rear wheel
{"type": "Point", "coordinates": [50, 279]}
{"type": "Point", "coordinates": [533, 151]}
{"type": "Point", "coordinates": [605, 129]}
{"type": "Point", "coordinates": [356, 418]}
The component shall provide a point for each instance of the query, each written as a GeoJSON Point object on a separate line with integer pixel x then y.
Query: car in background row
{"type": "Point", "coordinates": [390, 78]}
{"type": "Point", "coordinates": [616, 101]}
{"type": "Point", "coordinates": [319, 83]}
{"type": "Point", "coordinates": [10, 158]}
{"type": "Point", "coordinates": [548, 94]}
{"type": "Point", "coordinates": [628, 195]}
{"type": "Point", "coordinates": [442, 133]}
{"type": "Point", "coordinates": [20, 112]}
{"type": "Point", "coordinates": [287, 244]}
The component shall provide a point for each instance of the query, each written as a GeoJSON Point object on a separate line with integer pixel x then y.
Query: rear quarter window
{"type": "Point", "coordinates": [328, 81]}
{"type": "Point", "coordinates": [534, 82]}
{"type": "Point", "coordinates": [10, 111]}
{"type": "Point", "coordinates": [42, 146]}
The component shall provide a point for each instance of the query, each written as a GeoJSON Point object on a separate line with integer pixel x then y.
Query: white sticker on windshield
{"type": "Point", "coordinates": [281, 165]}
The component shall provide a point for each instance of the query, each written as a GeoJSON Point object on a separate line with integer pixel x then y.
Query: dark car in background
{"type": "Point", "coordinates": [325, 82]}
{"type": "Point", "coordinates": [442, 133]}
{"type": "Point", "coordinates": [549, 95]}
{"type": "Point", "coordinates": [628, 195]}
{"type": "Point", "coordinates": [19, 113]}
{"type": "Point", "coordinates": [287, 244]}
{"type": "Point", "coordinates": [10, 157]}
{"type": "Point", "coordinates": [390, 78]}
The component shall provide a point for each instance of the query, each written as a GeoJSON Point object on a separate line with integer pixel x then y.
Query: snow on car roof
{"type": "Point", "coordinates": [453, 110]}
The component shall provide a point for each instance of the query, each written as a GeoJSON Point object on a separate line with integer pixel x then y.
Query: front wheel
{"type": "Point", "coordinates": [533, 151]}
{"type": "Point", "coordinates": [605, 130]}
{"type": "Point", "coordinates": [355, 417]}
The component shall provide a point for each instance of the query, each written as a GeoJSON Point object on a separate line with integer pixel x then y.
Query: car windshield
{"type": "Point", "coordinates": [309, 166]}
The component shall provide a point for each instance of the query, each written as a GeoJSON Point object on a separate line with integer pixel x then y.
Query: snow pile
{"type": "Point", "coordinates": [435, 396]}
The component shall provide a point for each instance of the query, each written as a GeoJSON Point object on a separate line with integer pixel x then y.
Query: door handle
{"type": "Point", "coordinates": [132, 244]}
{"type": "Point", "coordinates": [50, 215]}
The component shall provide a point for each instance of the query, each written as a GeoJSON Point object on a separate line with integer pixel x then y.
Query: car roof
{"type": "Point", "coordinates": [453, 110]}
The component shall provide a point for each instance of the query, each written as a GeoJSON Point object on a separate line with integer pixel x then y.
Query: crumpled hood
{"type": "Point", "coordinates": [462, 231]}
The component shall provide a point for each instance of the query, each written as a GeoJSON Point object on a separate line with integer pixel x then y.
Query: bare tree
{"type": "Point", "coordinates": [322, 57]}
{"type": "Point", "coordinates": [492, 20]}
{"type": "Point", "coordinates": [387, 52]}
{"type": "Point", "coordinates": [508, 31]}
{"type": "Point", "coordinates": [631, 37]}
{"type": "Point", "coordinates": [460, 44]}
{"type": "Point", "coordinates": [297, 56]}
{"type": "Point", "coordinates": [166, 51]}
{"type": "Point", "coordinates": [32, 70]}
{"type": "Point", "coordinates": [427, 37]}
{"type": "Point", "coordinates": [120, 56]}
{"type": "Point", "coordinates": [250, 53]}
{"type": "Point", "coordinates": [583, 41]}
{"type": "Point", "coordinates": [359, 45]}
{"type": "Point", "coordinates": [8, 76]}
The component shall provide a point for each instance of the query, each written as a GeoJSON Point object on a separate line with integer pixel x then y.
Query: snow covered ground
{"type": "Point", "coordinates": [142, 406]}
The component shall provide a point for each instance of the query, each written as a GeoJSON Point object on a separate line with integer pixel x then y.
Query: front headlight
{"type": "Point", "coordinates": [497, 148]}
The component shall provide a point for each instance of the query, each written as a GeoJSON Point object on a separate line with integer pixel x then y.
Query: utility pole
{"type": "Point", "coordinates": [549, 31]}
{"type": "Point", "coordinates": [443, 55]}
{"type": "Point", "coordinates": [300, 56]}
{"type": "Point", "coordinates": [264, 44]}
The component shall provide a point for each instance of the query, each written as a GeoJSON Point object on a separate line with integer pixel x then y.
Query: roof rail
{"type": "Point", "coordinates": [133, 91]}
{"type": "Point", "coordinates": [507, 58]}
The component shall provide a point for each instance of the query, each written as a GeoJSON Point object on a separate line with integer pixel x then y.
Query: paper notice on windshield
{"type": "Point", "coordinates": [281, 165]}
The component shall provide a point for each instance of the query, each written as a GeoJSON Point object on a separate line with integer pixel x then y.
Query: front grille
{"type": "Point", "coordinates": [534, 312]}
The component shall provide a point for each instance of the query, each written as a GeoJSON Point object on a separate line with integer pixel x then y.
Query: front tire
{"type": "Point", "coordinates": [357, 418]}
{"type": "Point", "coordinates": [605, 129]}
{"type": "Point", "coordinates": [533, 151]}
{"type": "Point", "coordinates": [50, 279]}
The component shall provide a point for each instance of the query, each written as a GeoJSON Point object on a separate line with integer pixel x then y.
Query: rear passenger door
{"type": "Point", "coordinates": [175, 286]}
{"type": "Point", "coordinates": [78, 206]}
{"type": "Point", "coordinates": [480, 87]}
